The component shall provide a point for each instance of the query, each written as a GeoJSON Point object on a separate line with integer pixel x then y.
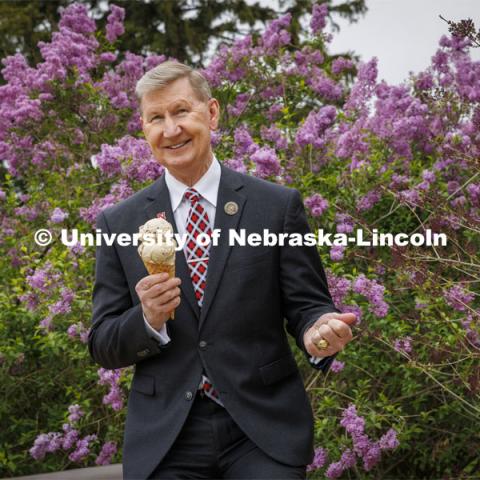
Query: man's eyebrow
{"type": "Point", "coordinates": [174, 104]}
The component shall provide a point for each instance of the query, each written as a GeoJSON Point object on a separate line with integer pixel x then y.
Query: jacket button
{"type": "Point", "coordinates": [188, 395]}
{"type": "Point", "coordinates": [143, 353]}
{"type": "Point", "coordinates": [202, 344]}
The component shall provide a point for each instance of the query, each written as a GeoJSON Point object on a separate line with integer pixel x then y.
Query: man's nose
{"type": "Point", "coordinates": [170, 127]}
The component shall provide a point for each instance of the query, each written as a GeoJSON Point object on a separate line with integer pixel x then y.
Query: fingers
{"type": "Point", "coordinates": [146, 282]}
{"type": "Point", "coordinates": [155, 285]}
{"type": "Point", "coordinates": [170, 306]}
{"type": "Point", "coordinates": [326, 332]}
{"type": "Point", "coordinates": [336, 332]}
{"type": "Point", "coordinates": [348, 318]}
{"type": "Point", "coordinates": [313, 336]}
{"type": "Point", "coordinates": [160, 300]}
{"type": "Point", "coordinates": [340, 328]}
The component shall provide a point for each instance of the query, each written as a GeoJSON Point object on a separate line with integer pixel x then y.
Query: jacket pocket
{"type": "Point", "coordinates": [144, 384]}
{"type": "Point", "coordinates": [275, 371]}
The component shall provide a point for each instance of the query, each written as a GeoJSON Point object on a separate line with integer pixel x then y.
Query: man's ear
{"type": "Point", "coordinates": [214, 111]}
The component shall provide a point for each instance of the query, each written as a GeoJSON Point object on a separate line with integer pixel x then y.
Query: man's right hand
{"type": "Point", "coordinates": [159, 296]}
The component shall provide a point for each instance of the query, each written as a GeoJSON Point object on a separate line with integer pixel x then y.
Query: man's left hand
{"type": "Point", "coordinates": [332, 327]}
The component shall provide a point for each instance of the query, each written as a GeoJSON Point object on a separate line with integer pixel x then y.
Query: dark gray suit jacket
{"type": "Point", "coordinates": [238, 337]}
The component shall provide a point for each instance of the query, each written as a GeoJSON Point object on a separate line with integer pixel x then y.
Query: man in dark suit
{"type": "Point", "coordinates": [216, 391]}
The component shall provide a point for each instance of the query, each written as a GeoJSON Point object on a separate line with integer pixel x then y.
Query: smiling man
{"type": "Point", "coordinates": [216, 392]}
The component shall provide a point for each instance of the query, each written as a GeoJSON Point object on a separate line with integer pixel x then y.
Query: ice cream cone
{"type": "Point", "coordinates": [157, 248]}
{"type": "Point", "coordinates": [153, 268]}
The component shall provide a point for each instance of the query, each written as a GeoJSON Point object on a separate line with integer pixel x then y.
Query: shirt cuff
{"type": "Point", "coordinates": [160, 335]}
{"type": "Point", "coordinates": [315, 360]}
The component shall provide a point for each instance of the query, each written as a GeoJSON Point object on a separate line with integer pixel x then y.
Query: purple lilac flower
{"type": "Point", "coordinates": [337, 366]}
{"type": "Point", "coordinates": [46, 323]}
{"type": "Point", "coordinates": [337, 252]}
{"type": "Point", "coordinates": [315, 125]}
{"type": "Point", "coordinates": [276, 35]}
{"type": "Point", "coordinates": [389, 441]}
{"type": "Point", "coordinates": [474, 192]}
{"type": "Point", "coordinates": [334, 470]}
{"type": "Point", "coordinates": [30, 213]}
{"type": "Point", "coordinates": [236, 164]}
{"type": "Point", "coordinates": [78, 330]}
{"type": "Point", "coordinates": [266, 161]}
{"type": "Point", "coordinates": [240, 104]}
{"type": "Point", "coordinates": [31, 300]}
{"type": "Point", "coordinates": [348, 459]}
{"type": "Point", "coordinates": [340, 64]}
{"type": "Point", "coordinates": [319, 459]}
{"type": "Point", "coordinates": [112, 378]}
{"type": "Point", "coordinates": [374, 293]}
{"type": "Point", "coordinates": [108, 57]}
{"type": "Point", "coordinates": [457, 297]}
{"type": "Point", "coordinates": [371, 457]}
{"type": "Point", "coordinates": [369, 200]}
{"type": "Point", "coordinates": [363, 447]}
{"type": "Point", "coordinates": [63, 305]}
{"type": "Point", "coordinates": [215, 138]}
{"type": "Point", "coordinates": [319, 18]}
{"type": "Point", "coordinates": [243, 143]}
{"type": "Point", "coordinates": [324, 86]}
{"type": "Point", "coordinates": [109, 449]}
{"type": "Point", "coordinates": [76, 413]}
{"type": "Point", "coordinates": [58, 215]}
{"type": "Point", "coordinates": [316, 204]}
{"type": "Point", "coordinates": [339, 288]}
{"type": "Point", "coordinates": [91, 213]}
{"type": "Point", "coordinates": [403, 344]}
{"type": "Point", "coordinates": [77, 249]}
{"type": "Point", "coordinates": [272, 91]}
{"type": "Point", "coordinates": [70, 436]}
{"type": "Point", "coordinates": [472, 335]}
{"type": "Point", "coordinates": [115, 20]}
{"type": "Point", "coordinates": [344, 223]}
{"type": "Point", "coordinates": [39, 280]}
{"type": "Point", "coordinates": [45, 443]}
{"type": "Point", "coordinates": [119, 84]}
{"type": "Point", "coordinates": [428, 176]}
{"type": "Point", "coordinates": [82, 448]}
{"type": "Point", "coordinates": [351, 421]}
{"type": "Point", "coordinates": [363, 89]}
{"type": "Point", "coordinates": [274, 111]}
{"type": "Point", "coordinates": [274, 134]}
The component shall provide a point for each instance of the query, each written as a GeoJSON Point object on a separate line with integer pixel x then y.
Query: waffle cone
{"type": "Point", "coordinates": [153, 268]}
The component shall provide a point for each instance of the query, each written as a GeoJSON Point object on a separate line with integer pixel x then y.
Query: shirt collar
{"type": "Point", "coordinates": [207, 186]}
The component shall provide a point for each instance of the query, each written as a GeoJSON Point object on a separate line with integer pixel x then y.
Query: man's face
{"type": "Point", "coordinates": [177, 126]}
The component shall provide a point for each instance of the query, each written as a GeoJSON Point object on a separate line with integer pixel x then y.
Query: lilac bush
{"type": "Point", "coordinates": [366, 156]}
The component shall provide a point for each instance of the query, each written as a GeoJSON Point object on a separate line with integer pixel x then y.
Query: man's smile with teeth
{"type": "Point", "coordinates": [178, 145]}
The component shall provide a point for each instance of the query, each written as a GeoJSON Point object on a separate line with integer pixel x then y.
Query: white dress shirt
{"type": "Point", "coordinates": [207, 187]}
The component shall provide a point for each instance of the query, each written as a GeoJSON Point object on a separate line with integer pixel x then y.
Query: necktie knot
{"type": "Point", "coordinates": [192, 195]}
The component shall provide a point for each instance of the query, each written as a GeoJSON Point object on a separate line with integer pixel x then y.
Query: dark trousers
{"type": "Point", "coordinates": [212, 446]}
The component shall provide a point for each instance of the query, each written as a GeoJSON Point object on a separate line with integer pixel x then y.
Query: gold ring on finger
{"type": "Point", "coordinates": [322, 344]}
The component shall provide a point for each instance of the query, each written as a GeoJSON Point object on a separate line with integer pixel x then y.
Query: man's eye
{"type": "Point", "coordinates": [156, 118]}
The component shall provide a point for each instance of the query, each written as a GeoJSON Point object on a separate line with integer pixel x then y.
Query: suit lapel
{"type": "Point", "coordinates": [159, 201]}
{"type": "Point", "coordinates": [230, 184]}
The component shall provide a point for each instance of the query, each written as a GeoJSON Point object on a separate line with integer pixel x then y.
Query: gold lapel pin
{"type": "Point", "coordinates": [231, 208]}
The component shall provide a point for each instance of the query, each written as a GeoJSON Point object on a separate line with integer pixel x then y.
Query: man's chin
{"type": "Point", "coordinates": [180, 163]}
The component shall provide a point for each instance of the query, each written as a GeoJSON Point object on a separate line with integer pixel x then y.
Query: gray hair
{"type": "Point", "coordinates": [166, 73]}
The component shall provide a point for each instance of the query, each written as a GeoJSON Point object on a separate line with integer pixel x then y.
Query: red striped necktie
{"type": "Point", "coordinates": [197, 256]}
